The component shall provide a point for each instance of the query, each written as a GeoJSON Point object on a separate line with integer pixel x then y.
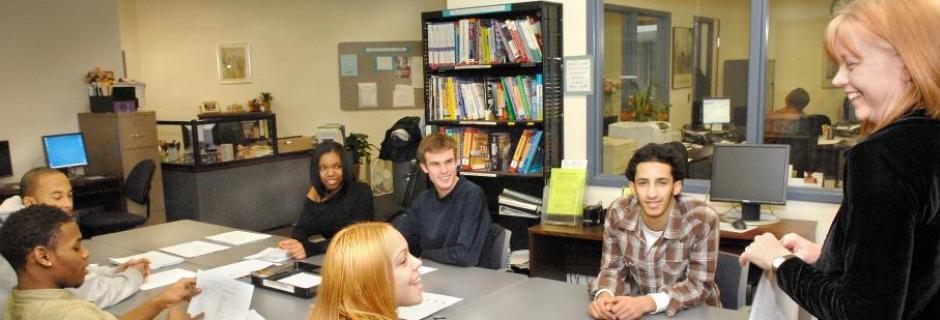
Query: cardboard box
{"type": "Point", "coordinates": [294, 144]}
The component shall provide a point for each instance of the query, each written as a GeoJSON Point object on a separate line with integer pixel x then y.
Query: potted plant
{"type": "Point", "coordinates": [358, 146]}
{"type": "Point", "coordinates": [642, 106]}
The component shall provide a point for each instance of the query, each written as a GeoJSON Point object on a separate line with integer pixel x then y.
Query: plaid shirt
{"type": "Point", "coordinates": [681, 263]}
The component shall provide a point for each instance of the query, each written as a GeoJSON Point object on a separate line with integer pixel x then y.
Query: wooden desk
{"type": "Point", "coordinates": [100, 192]}
{"type": "Point", "coordinates": [556, 250]}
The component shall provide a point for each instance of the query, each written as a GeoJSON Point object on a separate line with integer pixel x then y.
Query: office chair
{"type": "Point", "coordinates": [731, 278]}
{"type": "Point", "coordinates": [496, 250]}
{"type": "Point", "coordinates": [136, 189]}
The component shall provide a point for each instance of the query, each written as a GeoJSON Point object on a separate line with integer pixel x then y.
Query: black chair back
{"type": "Point", "coordinates": [137, 186]}
{"type": "Point", "coordinates": [495, 254]}
{"type": "Point", "coordinates": [731, 279]}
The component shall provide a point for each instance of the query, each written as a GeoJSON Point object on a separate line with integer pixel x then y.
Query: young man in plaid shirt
{"type": "Point", "coordinates": [660, 246]}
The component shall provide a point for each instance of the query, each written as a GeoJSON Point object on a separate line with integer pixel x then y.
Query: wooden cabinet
{"type": "Point", "coordinates": [116, 142]}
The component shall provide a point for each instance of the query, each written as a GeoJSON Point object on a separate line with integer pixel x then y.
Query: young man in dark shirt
{"type": "Point", "coordinates": [448, 223]}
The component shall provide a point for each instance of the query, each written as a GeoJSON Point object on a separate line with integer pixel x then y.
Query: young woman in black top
{"type": "Point", "coordinates": [335, 200]}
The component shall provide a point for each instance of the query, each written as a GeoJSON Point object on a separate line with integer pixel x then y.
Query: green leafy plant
{"type": "Point", "coordinates": [358, 144]}
{"type": "Point", "coordinates": [642, 106]}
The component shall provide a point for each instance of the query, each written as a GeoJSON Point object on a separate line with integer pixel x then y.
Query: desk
{"type": "Point", "coordinates": [103, 191]}
{"type": "Point", "coordinates": [538, 298]}
{"type": "Point", "coordinates": [467, 283]}
{"type": "Point", "coordinates": [555, 250]}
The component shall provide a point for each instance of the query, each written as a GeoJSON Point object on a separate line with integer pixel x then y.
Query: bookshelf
{"type": "Point", "coordinates": [493, 82]}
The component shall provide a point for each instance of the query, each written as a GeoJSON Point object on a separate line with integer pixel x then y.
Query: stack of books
{"type": "Point", "coordinates": [510, 98]}
{"type": "Point", "coordinates": [481, 41]}
{"type": "Point", "coordinates": [518, 204]}
{"type": "Point", "coordinates": [484, 151]}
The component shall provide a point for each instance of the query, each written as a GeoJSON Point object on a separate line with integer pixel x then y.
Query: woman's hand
{"type": "Point", "coordinates": [763, 250]}
{"type": "Point", "coordinates": [804, 249]}
{"type": "Point", "coordinates": [294, 248]}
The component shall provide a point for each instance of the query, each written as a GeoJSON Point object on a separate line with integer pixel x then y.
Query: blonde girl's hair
{"type": "Point", "coordinates": [357, 276]}
{"type": "Point", "coordinates": [909, 28]}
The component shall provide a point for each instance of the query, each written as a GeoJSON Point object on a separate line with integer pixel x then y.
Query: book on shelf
{"type": "Point", "coordinates": [520, 149]}
{"type": "Point", "coordinates": [507, 98]}
{"type": "Point", "coordinates": [501, 146]}
{"type": "Point", "coordinates": [484, 41]}
{"type": "Point", "coordinates": [531, 150]}
{"type": "Point", "coordinates": [481, 150]}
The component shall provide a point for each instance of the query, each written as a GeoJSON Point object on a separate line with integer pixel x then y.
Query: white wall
{"type": "Point", "coordinates": [796, 44]}
{"type": "Point", "coordinates": [171, 45]}
{"type": "Point", "coordinates": [47, 47]}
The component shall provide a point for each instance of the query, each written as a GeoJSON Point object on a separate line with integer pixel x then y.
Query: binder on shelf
{"type": "Point", "coordinates": [518, 204]}
{"type": "Point", "coordinates": [509, 211]}
{"type": "Point", "coordinates": [522, 196]}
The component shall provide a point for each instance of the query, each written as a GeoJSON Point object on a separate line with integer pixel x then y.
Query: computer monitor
{"type": "Point", "coordinates": [751, 174]}
{"type": "Point", "coordinates": [230, 132]}
{"type": "Point", "coordinates": [65, 150]}
{"type": "Point", "coordinates": [6, 164]}
{"type": "Point", "coordinates": [716, 110]}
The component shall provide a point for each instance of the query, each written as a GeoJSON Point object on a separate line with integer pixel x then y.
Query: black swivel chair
{"type": "Point", "coordinates": [731, 279]}
{"type": "Point", "coordinates": [137, 189]}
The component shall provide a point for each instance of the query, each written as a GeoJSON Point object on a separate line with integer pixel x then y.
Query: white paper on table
{"type": "Point", "coordinates": [221, 298]}
{"type": "Point", "coordinates": [270, 254]}
{"type": "Point", "coordinates": [771, 303]}
{"type": "Point", "coordinates": [368, 94]}
{"type": "Point", "coordinates": [302, 280]}
{"type": "Point", "coordinates": [241, 268]}
{"type": "Point", "coordinates": [432, 303]}
{"type": "Point", "coordinates": [157, 259]}
{"type": "Point", "coordinates": [254, 315]}
{"type": "Point", "coordinates": [165, 278]}
{"type": "Point", "coordinates": [238, 237]}
{"type": "Point", "coordinates": [422, 270]}
{"type": "Point", "coordinates": [194, 249]}
{"type": "Point", "coordinates": [403, 96]}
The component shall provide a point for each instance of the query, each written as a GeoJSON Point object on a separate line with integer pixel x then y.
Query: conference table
{"type": "Point", "coordinates": [486, 294]}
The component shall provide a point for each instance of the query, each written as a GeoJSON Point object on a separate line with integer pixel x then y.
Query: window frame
{"type": "Point", "coordinates": [757, 57]}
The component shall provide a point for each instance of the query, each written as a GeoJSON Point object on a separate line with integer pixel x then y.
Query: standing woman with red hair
{"type": "Point", "coordinates": [881, 259]}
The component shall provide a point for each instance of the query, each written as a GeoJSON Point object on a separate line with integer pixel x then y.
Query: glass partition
{"type": "Point", "coordinates": [217, 140]}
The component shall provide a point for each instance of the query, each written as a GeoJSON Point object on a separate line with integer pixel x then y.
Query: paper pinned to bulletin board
{"type": "Point", "coordinates": [381, 75]}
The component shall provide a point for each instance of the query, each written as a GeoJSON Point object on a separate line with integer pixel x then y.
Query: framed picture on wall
{"type": "Point", "coordinates": [234, 63]}
{"type": "Point", "coordinates": [681, 57]}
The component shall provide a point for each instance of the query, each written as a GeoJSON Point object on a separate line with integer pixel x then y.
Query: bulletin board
{"type": "Point", "coordinates": [381, 75]}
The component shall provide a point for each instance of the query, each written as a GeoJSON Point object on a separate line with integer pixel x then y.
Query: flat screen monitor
{"type": "Point", "coordinates": [751, 174]}
{"type": "Point", "coordinates": [6, 164]}
{"type": "Point", "coordinates": [65, 150]}
{"type": "Point", "coordinates": [716, 110]}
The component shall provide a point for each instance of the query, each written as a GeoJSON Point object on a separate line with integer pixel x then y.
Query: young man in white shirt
{"type": "Point", "coordinates": [103, 285]}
